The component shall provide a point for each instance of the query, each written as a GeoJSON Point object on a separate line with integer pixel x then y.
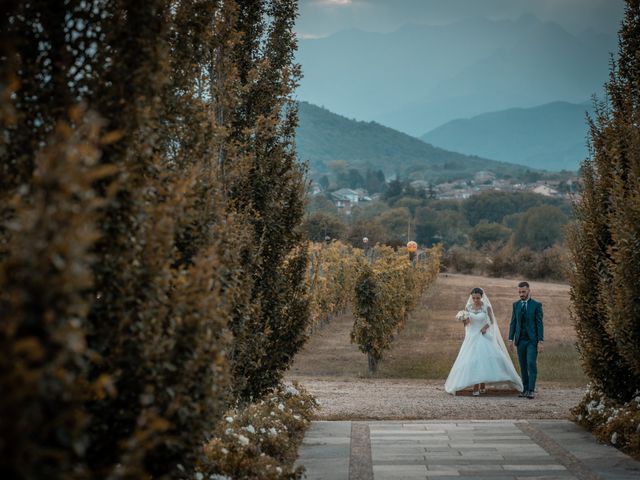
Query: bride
{"type": "Point", "coordinates": [483, 357]}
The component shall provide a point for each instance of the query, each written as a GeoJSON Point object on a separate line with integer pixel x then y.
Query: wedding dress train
{"type": "Point", "coordinates": [482, 358]}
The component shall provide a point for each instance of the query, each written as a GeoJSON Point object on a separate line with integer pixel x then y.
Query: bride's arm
{"type": "Point", "coordinates": [489, 315]}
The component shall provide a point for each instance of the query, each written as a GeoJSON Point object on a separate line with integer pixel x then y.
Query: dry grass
{"type": "Point", "coordinates": [428, 345]}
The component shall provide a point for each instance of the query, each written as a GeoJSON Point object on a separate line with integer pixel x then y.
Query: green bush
{"type": "Point", "coordinates": [262, 439]}
{"type": "Point", "coordinates": [489, 233]}
{"type": "Point", "coordinates": [540, 228]}
{"type": "Point", "coordinates": [548, 264]}
{"type": "Point", "coordinates": [612, 422]}
{"type": "Point", "coordinates": [462, 260]}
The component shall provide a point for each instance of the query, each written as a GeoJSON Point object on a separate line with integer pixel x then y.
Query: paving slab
{"type": "Point", "coordinates": [495, 449]}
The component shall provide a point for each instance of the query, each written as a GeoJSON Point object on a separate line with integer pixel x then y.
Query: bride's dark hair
{"type": "Point", "coordinates": [477, 290]}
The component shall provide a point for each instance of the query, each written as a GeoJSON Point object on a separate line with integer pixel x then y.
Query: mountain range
{"type": "Point", "coordinates": [550, 137]}
{"type": "Point", "coordinates": [323, 136]}
{"type": "Point", "coordinates": [420, 77]}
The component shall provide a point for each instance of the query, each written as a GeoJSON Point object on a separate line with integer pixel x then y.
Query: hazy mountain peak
{"type": "Point", "coordinates": [421, 76]}
{"type": "Point", "coordinates": [550, 136]}
{"type": "Point", "coordinates": [527, 19]}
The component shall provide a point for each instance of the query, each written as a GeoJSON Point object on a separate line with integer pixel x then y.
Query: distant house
{"type": "Point", "coordinates": [545, 190]}
{"type": "Point", "coordinates": [420, 185]}
{"type": "Point", "coordinates": [345, 195]}
{"type": "Point", "coordinates": [345, 198]}
{"type": "Point", "coordinates": [484, 176]}
{"type": "Point", "coordinates": [314, 189]}
{"type": "Point", "coordinates": [363, 195]}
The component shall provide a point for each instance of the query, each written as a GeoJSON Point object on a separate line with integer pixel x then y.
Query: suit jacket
{"type": "Point", "coordinates": [532, 322]}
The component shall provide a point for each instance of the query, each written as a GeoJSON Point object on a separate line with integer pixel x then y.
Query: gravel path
{"type": "Point", "coordinates": [389, 399]}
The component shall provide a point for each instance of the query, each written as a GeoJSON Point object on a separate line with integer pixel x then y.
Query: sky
{"type": "Point", "coordinates": [319, 18]}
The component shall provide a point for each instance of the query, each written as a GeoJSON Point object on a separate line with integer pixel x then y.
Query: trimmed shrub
{"type": "Point", "coordinates": [262, 439]}
{"type": "Point", "coordinates": [614, 423]}
{"type": "Point", "coordinates": [386, 290]}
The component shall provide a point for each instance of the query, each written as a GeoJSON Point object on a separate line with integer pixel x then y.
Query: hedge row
{"type": "Point", "coordinates": [152, 272]}
{"type": "Point", "coordinates": [386, 290]}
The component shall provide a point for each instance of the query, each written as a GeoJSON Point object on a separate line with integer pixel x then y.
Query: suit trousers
{"type": "Point", "coordinates": [528, 358]}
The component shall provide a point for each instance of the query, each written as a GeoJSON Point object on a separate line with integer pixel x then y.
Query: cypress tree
{"type": "Point", "coordinates": [621, 137]}
{"type": "Point", "coordinates": [271, 328]}
{"type": "Point", "coordinates": [151, 317]}
{"type": "Point", "coordinates": [152, 145]}
{"type": "Point", "coordinates": [603, 241]}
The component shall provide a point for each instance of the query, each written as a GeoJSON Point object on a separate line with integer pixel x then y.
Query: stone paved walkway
{"type": "Point", "coordinates": [502, 449]}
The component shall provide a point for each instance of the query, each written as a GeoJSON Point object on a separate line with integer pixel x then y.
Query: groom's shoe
{"type": "Point", "coordinates": [531, 395]}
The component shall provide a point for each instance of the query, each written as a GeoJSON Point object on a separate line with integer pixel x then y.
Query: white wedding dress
{"type": "Point", "coordinates": [482, 358]}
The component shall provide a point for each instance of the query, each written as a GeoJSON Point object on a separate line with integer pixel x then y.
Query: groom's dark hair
{"type": "Point", "coordinates": [523, 285]}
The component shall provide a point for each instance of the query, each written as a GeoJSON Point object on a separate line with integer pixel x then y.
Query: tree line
{"type": "Point", "coordinates": [152, 272]}
{"type": "Point", "coordinates": [492, 224]}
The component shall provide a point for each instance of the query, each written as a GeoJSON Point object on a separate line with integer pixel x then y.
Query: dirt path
{"type": "Point", "coordinates": [409, 384]}
{"type": "Point", "coordinates": [390, 399]}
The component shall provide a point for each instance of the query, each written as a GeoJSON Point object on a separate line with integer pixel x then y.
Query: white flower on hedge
{"type": "Point", "coordinates": [296, 416]}
{"type": "Point", "coordinates": [250, 429]}
{"type": "Point", "coordinates": [291, 390]}
{"type": "Point", "coordinates": [614, 438]}
{"type": "Point", "coordinates": [199, 476]}
{"type": "Point", "coordinates": [224, 451]}
{"type": "Point", "coordinates": [273, 431]}
{"type": "Point", "coordinates": [229, 419]}
{"type": "Point", "coordinates": [216, 476]}
{"type": "Point", "coordinates": [244, 441]}
{"type": "Point", "coordinates": [279, 470]}
{"type": "Point", "coordinates": [228, 431]}
{"type": "Point", "coordinates": [262, 430]}
{"type": "Point", "coordinates": [281, 407]}
{"type": "Point", "coordinates": [273, 414]}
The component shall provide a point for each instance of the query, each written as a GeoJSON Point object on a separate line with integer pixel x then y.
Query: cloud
{"type": "Point", "coordinates": [334, 3]}
{"type": "Point", "coordinates": [309, 36]}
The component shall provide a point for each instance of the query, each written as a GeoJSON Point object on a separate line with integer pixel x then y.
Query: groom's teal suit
{"type": "Point", "coordinates": [526, 330]}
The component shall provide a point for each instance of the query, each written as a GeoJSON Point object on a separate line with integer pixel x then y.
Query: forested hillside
{"type": "Point", "coordinates": [323, 136]}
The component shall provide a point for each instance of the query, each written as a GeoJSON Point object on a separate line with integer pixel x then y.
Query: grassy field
{"type": "Point", "coordinates": [429, 343]}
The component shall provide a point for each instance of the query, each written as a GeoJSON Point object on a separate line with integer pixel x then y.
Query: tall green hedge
{"type": "Point", "coordinates": [151, 268]}
{"type": "Point", "coordinates": [604, 240]}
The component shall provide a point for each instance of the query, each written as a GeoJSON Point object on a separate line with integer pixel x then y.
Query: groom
{"type": "Point", "coordinates": [526, 332]}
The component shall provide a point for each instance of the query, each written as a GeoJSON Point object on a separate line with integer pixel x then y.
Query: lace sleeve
{"type": "Point", "coordinates": [490, 316]}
